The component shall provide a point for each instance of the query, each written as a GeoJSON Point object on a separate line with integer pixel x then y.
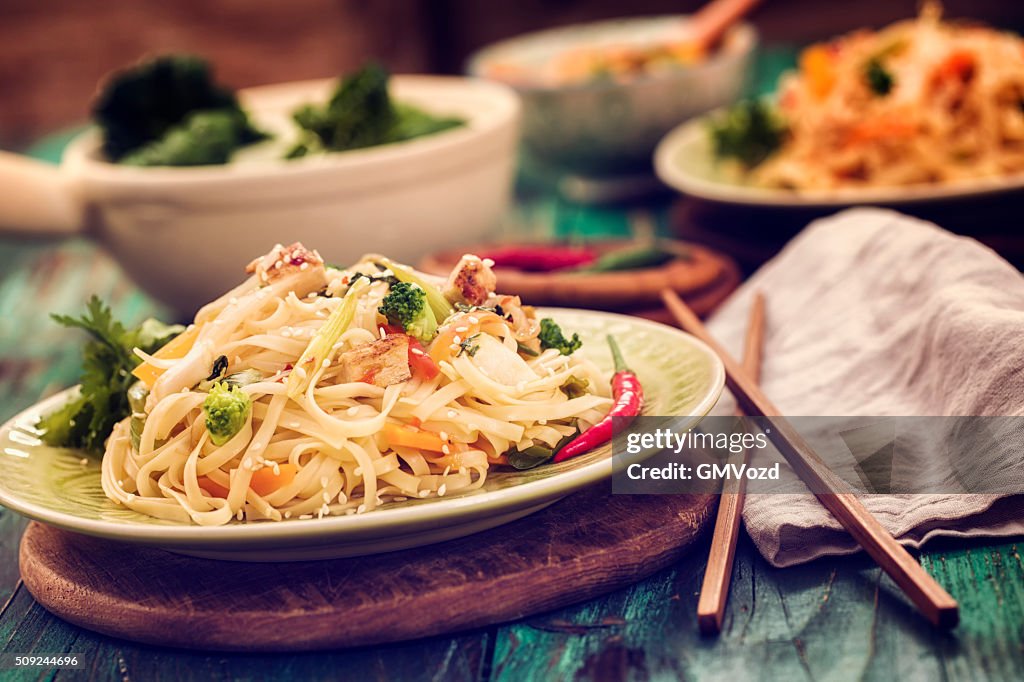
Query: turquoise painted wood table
{"type": "Point", "coordinates": [833, 619]}
{"type": "Point", "coordinates": [836, 619]}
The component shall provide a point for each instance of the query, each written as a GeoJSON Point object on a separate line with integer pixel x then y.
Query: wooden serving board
{"type": "Point", "coordinates": [590, 543]}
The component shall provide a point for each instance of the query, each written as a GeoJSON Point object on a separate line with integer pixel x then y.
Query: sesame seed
{"type": "Point", "coordinates": [456, 340]}
{"type": "Point", "coordinates": [488, 262]}
{"type": "Point", "coordinates": [305, 516]}
{"type": "Point", "coordinates": [424, 493]}
{"type": "Point", "coordinates": [361, 509]}
{"type": "Point", "coordinates": [452, 414]}
{"type": "Point", "coordinates": [446, 470]}
{"type": "Point", "coordinates": [446, 450]}
{"type": "Point", "coordinates": [352, 411]}
{"type": "Point", "coordinates": [285, 333]}
{"type": "Point", "coordinates": [304, 266]}
{"type": "Point", "coordinates": [417, 351]}
{"type": "Point", "coordinates": [233, 300]}
{"type": "Point", "coordinates": [342, 497]}
{"type": "Point", "coordinates": [442, 490]}
{"type": "Point", "coordinates": [462, 470]}
{"type": "Point", "coordinates": [239, 514]}
{"type": "Point", "coordinates": [294, 425]}
{"type": "Point", "coordinates": [326, 362]}
{"type": "Point", "coordinates": [323, 481]}
{"type": "Point", "coordinates": [462, 330]}
{"type": "Point", "coordinates": [277, 469]}
{"type": "Point", "coordinates": [287, 514]}
{"type": "Point", "coordinates": [444, 435]}
{"type": "Point", "coordinates": [358, 471]}
{"type": "Point", "coordinates": [473, 319]}
{"type": "Point", "coordinates": [84, 461]}
{"type": "Point", "coordinates": [399, 498]}
{"type": "Point", "coordinates": [130, 497]}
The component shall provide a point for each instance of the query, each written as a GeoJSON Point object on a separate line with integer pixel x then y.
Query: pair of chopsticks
{"type": "Point", "coordinates": [930, 598]}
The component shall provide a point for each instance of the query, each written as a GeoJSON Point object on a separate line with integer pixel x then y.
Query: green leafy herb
{"type": "Point", "coordinates": [108, 360]}
{"type": "Point", "coordinates": [466, 308]}
{"type": "Point", "coordinates": [551, 336]}
{"type": "Point", "coordinates": [750, 132]}
{"type": "Point", "coordinates": [361, 114]}
{"type": "Point", "coordinates": [878, 78]}
{"type": "Point", "coordinates": [468, 347]}
{"type": "Point", "coordinates": [169, 111]}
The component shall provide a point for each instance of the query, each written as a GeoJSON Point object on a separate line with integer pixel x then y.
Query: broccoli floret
{"type": "Point", "coordinates": [878, 78]}
{"type": "Point", "coordinates": [551, 336]}
{"type": "Point", "coordinates": [361, 114]}
{"type": "Point", "coordinates": [406, 305]}
{"type": "Point", "coordinates": [205, 138]}
{"type": "Point", "coordinates": [227, 411]}
{"type": "Point", "coordinates": [750, 132]}
{"type": "Point", "coordinates": [144, 104]}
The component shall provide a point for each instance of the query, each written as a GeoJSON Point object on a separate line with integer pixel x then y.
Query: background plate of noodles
{"type": "Point", "coordinates": [62, 487]}
{"type": "Point", "coordinates": [922, 110]}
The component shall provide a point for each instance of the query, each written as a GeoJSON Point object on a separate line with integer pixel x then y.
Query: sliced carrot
{"type": "Point", "coordinates": [817, 66]}
{"type": "Point", "coordinates": [176, 348]}
{"type": "Point", "coordinates": [264, 481]}
{"type": "Point", "coordinates": [212, 487]}
{"type": "Point", "coordinates": [408, 437]}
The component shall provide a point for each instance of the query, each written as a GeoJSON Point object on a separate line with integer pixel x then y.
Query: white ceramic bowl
{"type": "Point", "coordinates": [185, 233]}
{"type": "Point", "coordinates": [605, 127]}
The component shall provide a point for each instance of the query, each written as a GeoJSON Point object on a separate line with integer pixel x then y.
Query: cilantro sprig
{"type": "Point", "coordinates": [107, 363]}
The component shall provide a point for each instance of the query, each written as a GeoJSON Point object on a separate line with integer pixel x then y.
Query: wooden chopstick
{"type": "Point", "coordinates": [715, 590]}
{"type": "Point", "coordinates": [933, 601]}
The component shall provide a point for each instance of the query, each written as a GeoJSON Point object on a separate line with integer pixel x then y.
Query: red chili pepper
{"type": "Point", "coordinates": [541, 258]}
{"type": "Point", "coordinates": [629, 400]}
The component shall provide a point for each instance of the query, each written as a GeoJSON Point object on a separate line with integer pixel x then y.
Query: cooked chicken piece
{"type": "Point", "coordinates": [282, 271]}
{"type": "Point", "coordinates": [284, 261]}
{"type": "Point", "coordinates": [380, 363]}
{"type": "Point", "coordinates": [472, 281]}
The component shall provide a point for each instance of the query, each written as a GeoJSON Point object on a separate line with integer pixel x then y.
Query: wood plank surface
{"type": "Point", "coordinates": [586, 545]}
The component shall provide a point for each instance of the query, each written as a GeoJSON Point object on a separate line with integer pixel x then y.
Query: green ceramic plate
{"type": "Point", "coordinates": [685, 161]}
{"type": "Point", "coordinates": [681, 376]}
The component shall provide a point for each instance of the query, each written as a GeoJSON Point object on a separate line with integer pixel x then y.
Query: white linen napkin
{"type": "Point", "coordinates": [870, 312]}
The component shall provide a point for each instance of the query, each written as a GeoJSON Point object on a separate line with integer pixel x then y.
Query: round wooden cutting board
{"type": "Point", "coordinates": [585, 545]}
